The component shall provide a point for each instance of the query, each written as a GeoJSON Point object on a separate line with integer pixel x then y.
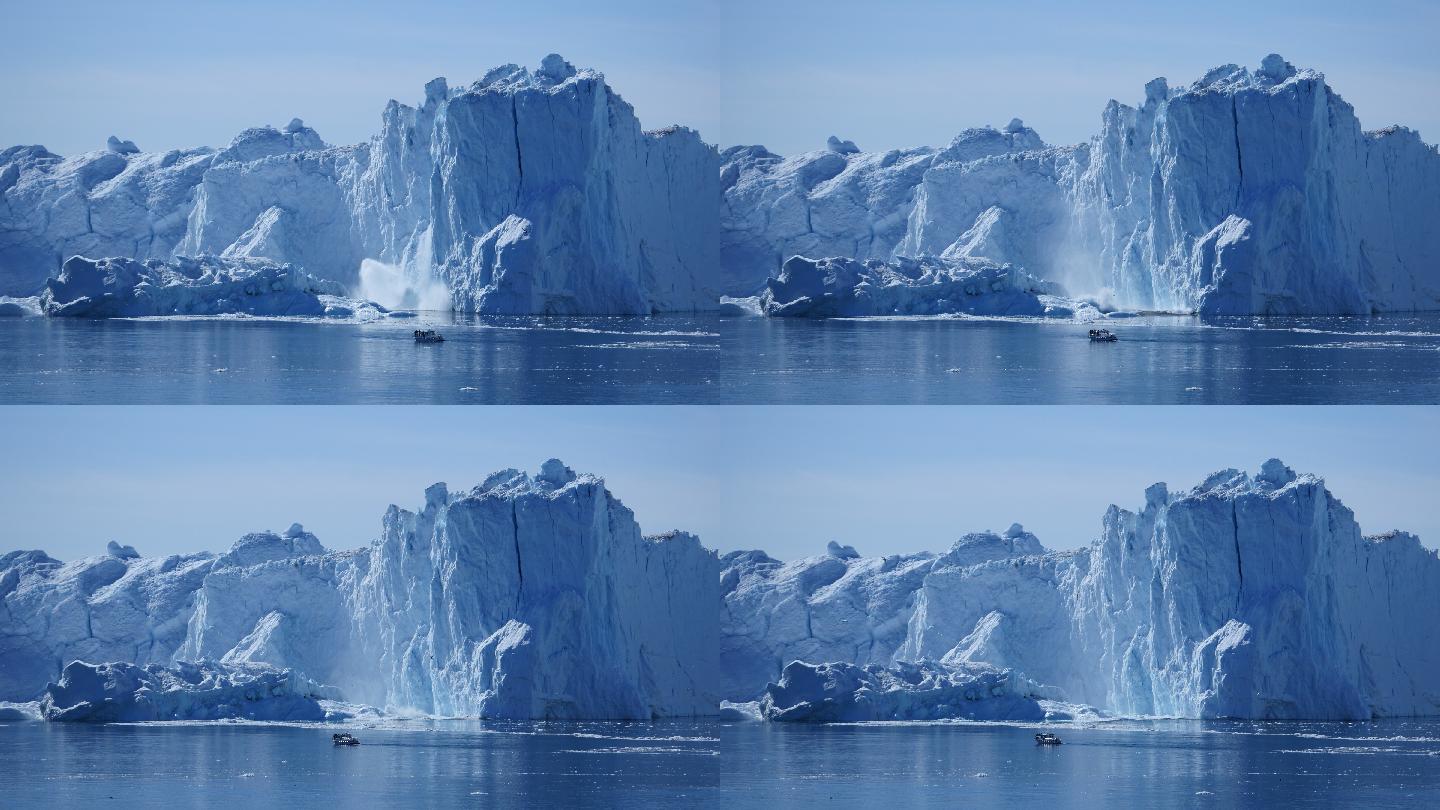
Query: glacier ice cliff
{"type": "Point", "coordinates": [537, 192]}
{"type": "Point", "coordinates": [527, 192]}
{"type": "Point", "coordinates": [1246, 192]}
{"type": "Point", "coordinates": [525, 597]}
{"type": "Point", "coordinates": [1248, 596]}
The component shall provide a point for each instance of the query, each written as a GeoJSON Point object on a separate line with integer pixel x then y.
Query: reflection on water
{"type": "Point", "coordinates": [713, 360]}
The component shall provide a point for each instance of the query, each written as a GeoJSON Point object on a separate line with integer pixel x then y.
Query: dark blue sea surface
{"type": "Point", "coordinates": [1104, 765]}
{"type": "Point", "coordinates": [447, 763]}
{"type": "Point", "coordinates": [1157, 360]}
{"type": "Point", "coordinates": [710, 360]}
{"type": "Point", "coordinates": [483, 360]}
{"type": "Point", "coordinates": [706, 764]}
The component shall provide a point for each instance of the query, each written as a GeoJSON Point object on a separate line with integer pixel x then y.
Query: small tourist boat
{"type": "Point", "coordinates": [344, 739]}
{"type": "Point", "coordinates": [1047, 739]}
{"type": "Point", "coordinates": [428, 336]}
{"type": "Point", "coordinates": [1103, 336]}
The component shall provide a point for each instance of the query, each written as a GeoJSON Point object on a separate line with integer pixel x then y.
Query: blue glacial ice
{"type": "Point", "coordinates": [526, 192]}
{"type": "Point", "coordinates": [1246, 192]}
{"type": "Point", "coordinates": [537, 192]}
{"type": "Point", "coordinates": [126, 693]}
{"type": "Point", "coordinates": [525, 597]}
{"type": "Point", "coordinates": [1248, 596]}
{"type": "Point", "coordinates": [841, 692]}
{"type": "Point", "coordinates": [829, 288]}
{"type": "Point", "coordinates": [113, 288]}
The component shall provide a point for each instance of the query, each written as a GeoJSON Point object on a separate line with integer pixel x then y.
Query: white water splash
{"type": "Point", "coordinates": [392, 287]}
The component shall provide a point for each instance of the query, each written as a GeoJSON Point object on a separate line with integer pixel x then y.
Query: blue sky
{"type": "Point", "coordinates": [173, 74]}
{"type": "Point", "coordinates": [785, 479]}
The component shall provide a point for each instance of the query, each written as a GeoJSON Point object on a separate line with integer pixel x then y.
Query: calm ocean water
{"type": "Point", "coordinates": [420, 764]}
{"type": "Point", "coordinates": [708, 360]}
{"type": "Point", "coordinates": [1107, 765]}
{"type": "Point", "coordinates": [1157, 360]}
{"type": "Point", "coordinates": [482, 361]}
{"type": "Point", "coordinates": [704, 764]}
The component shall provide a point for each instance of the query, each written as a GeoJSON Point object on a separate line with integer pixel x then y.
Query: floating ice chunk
{"type": "Point", "coordinates": [827, 288]}
{"type": "Point", "coordinates": [27, 711]}
{"type": "Point", "coordinates": [22, 307]}
{"type": "Point", "coordinates": [732, 712]}
{"type": "Point", "coordinates": [120, 692]}
{"type": "Point", "coordinates": [115, 288]}
{"type": "Point", "coordinates": [731, 307]}
{"type": "Point", "coordinates": [839, 692]}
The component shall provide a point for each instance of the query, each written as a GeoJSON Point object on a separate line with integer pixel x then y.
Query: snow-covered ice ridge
{"type": "Point", "coordinates": [1247, 596]}
{"type": "Point", "coordinates": [525, 597]}
{"type": "Point", "coordinates": [1247, 192]}
{"type": "Point", "coordinates": [527, 192]}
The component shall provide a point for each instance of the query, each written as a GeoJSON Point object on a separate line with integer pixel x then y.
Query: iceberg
{"type": "Point", "coordinates": [1246, 192]}
{"type": "Point", "coordinates": [526, 192]}
{"type": "Point", "coordinates": [19, 306]}
{"type": "Point", "coordinates": [126, 693]}
{"type": "Point", "coordinates": [524, 597]}
{"type": "Point", "coordinates": [839, 692]}
{"type": "Point", "coordinates": [536, 191]}
{"type": "Point", "coordinates": [925, 286]}
{"type": "Point", "coordinates": [114, 288]}
{"type": "Point", "coordinates": [1248, 596]}
{"type": "Point", "coordinates": [23, 712]}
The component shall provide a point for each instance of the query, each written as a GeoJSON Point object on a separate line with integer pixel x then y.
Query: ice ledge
{"type": "Point", "coordinates": [553, 73]}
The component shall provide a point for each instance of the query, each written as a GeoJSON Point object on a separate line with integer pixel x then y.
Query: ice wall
{"type": "Point", "coordinates": [528, 192]}
{"type": "Point", "coordinates": [1247, 192]}
{"type": "Point", "coordinates": [1247, 596]}
{"type": "Point", "coordinates": [525, 597]}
